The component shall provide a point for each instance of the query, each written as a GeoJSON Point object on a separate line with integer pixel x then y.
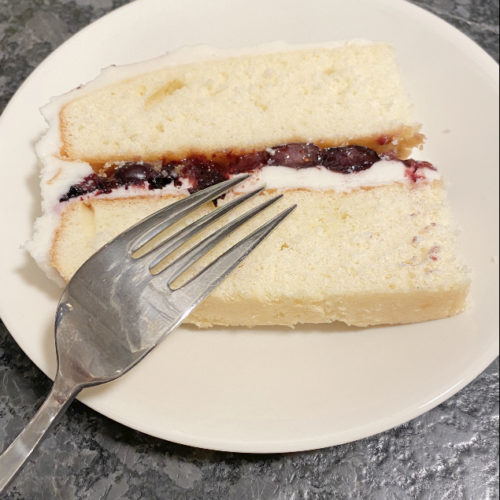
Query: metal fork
{"type": "Point", "coordinates": [114, 311]}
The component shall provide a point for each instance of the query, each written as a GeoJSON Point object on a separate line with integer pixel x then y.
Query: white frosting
{"type": "Point", "coordinates": [319, 178]}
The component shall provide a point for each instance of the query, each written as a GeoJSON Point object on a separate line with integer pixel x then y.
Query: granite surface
{"type": "Point", "coordinates": [450, 452]}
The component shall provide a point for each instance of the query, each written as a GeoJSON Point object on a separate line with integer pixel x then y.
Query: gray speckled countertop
{"type": "Point", "coordinates": [450, 452]}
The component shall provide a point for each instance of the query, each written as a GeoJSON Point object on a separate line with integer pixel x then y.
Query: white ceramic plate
{"type": "Point", "coordinates": [274, 390]}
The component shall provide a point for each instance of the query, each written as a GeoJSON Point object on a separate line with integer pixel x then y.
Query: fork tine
{"type": "Point", "coordinates": [146, 230]}
{"type": "Point", "coordinates": [206, 280]}
{"type": "Point", "coordinates": [178, 266]}
{"type": "Point", "coordinates": [175, 241]}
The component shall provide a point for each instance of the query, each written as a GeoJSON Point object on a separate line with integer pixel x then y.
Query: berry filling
{"type": "Point", "coordinates": [203, 171]}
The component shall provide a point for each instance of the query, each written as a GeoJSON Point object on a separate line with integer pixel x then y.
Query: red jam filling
{"type": "Point", "coordinates": [203, 171]}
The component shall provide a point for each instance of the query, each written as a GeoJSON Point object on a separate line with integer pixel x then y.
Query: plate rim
{"type": "Point", "coordinates": [491, 68]}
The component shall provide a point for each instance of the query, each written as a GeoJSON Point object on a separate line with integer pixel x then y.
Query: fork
{"type": "Point", "coordinates": [114, 310]}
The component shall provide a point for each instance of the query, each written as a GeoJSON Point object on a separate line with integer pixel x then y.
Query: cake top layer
{"type": "Point", "coordinates": [348, 93]}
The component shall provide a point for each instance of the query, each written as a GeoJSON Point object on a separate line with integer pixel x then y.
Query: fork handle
{"type": "Point", "coordinates": [14, 457]}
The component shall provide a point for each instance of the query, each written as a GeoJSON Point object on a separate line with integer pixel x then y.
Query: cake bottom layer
{"type": "Point", "coordinates": [383, 255]}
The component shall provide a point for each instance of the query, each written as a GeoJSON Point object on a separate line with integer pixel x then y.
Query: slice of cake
{"type": "Point", "coordinates": [331, 127]}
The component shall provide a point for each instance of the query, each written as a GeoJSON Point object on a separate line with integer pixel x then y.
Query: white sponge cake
{"type": "Point", "coordinates": [370, 256]}
{"type": "Point", "coordinates": [371, 241]}
{"type": "Point", "coordinates": [347, 94]}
